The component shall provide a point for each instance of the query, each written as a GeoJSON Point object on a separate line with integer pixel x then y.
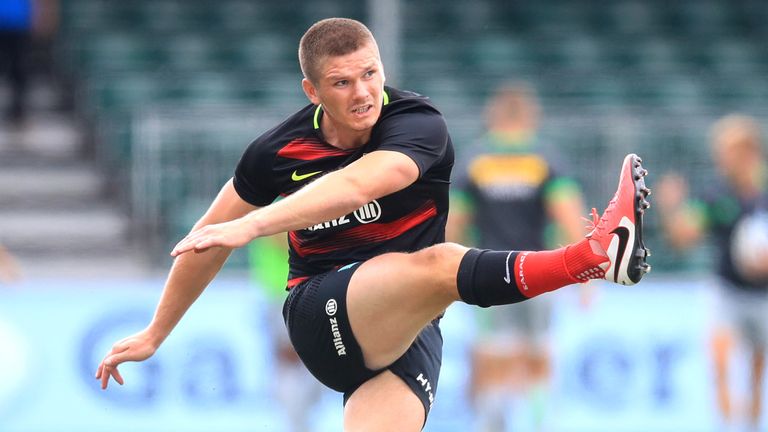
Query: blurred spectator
{"type": "Point", "coordinates": [20, 21]}
{"type": "Point", "coordinates": [295, 389]}
{"type": "Point", "coordinates": [9, 269]}
{"type": "Point", "coordinates": [735, 212]}
{"type": "Point", "coordinates": [505, 195]}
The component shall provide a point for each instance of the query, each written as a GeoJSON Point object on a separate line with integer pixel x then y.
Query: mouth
{"type": "Point", "coordinates": [362, 110]}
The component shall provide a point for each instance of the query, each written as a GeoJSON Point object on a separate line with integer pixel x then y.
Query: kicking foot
{"type": "Point", "coordinates": [618, 233]}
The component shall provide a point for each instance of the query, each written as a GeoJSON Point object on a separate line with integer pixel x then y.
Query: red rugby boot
{"type": "Point", "coordinates": [619, 231]}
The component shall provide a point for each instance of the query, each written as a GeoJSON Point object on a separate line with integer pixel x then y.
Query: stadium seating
{"type": "Point", "coordinates": [654, 62]}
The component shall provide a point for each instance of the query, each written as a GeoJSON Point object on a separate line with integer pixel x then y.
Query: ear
{"type": "Point", "coordinates": [310, 90]}
{"type": "Point", "coordinates": [383, 75]}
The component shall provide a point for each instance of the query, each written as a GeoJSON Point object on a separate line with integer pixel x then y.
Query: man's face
{"type": "Point", "coordinates": [350, 88]}
{"type": "Point", "coordinates": [736, 155]}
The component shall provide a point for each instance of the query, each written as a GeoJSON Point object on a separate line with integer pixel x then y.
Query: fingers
{"type": "Point", "coordinates": [116, 375]}
{"type": "Point", "coordinates": [108, 366]}
{"type": "Point", "coordinates": [197, 245]}
{"type": "Point", "coordinates": [105, 374]}
{"type": "Point", "coordinates": [198, 240]}
{"type": "Point", "coordinates": [180, 248]}
{"type": "Point", "coordinates": [183, 246]}
{"type": "Point", "coordinates": [102, 375]}
{"type": "Point", "coordinates": [205, 243]}
{"type": "Point", "coordinates": [108, 371]}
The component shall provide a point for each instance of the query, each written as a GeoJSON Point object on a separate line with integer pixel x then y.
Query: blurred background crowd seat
{"type": "Point", "coordinates": [630, 75]}
{"type": "Point", "coordinates": [149, 104]}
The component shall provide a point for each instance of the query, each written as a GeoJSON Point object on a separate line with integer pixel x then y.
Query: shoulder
{"type": "Point", "coordinates": [298, 124]}
{"type": "Point", "coordinates": [254, 174]}
{"type": "Point", "coordinates": [292, 134]}
{"type": "Point", "coordinates": [557, 165]}
{"type": "Point", "coordinates": [403, 101]}
{"type": "Point", "coordinates": [409, 113]}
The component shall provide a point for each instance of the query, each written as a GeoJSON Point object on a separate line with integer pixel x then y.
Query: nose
{"type": "Point", "coordinates": [360, 91]}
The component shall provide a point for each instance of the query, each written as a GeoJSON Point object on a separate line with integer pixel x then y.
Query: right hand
{"type": "Point", "coordinates": [233, 234]}
{"type": "Point", "coordinates": [137, 347]}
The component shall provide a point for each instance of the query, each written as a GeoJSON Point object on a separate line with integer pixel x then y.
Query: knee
{"type": "Point", "coordinates": [442, 262]}
{"type": "Point", "coordinates": [440, 255]}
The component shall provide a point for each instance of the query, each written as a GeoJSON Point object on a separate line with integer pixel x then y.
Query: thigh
{"type": "Point", "coordinates": [752, 321]}
{"type": "Point", "coordinates": [392, 297]}
{"type": "Point", "coordinates": [384, 403]}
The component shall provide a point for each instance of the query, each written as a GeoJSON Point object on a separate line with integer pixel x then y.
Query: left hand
{"type": "Point", "coordinates": [232, 234]}
{"type": "Point", "coordinates": [138, 347]}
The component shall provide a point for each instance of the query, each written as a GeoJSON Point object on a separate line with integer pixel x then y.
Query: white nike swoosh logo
{"type": "Point", "coordinates": [507, 278]}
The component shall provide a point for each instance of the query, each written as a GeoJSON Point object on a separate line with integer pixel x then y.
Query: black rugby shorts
{"type": "Point", "coordinates": [315, 313]}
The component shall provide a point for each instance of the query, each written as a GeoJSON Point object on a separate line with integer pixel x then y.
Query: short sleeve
{"type": "Point", "coordinates": [253, 176]}
{"type": "Point", "coordinates": [559, 188]}
{"type": "Point", "coordinates": [422, 136]}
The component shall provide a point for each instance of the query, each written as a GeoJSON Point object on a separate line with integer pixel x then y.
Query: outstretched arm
{"type": "Point", "coordinates": [375, 175]}
{"type": "Point", "coordinates": [187, 279]}
{"type": "Point", "coordinates": [567, 211]}
{"type": "Point", "coordinates": [683, 225]}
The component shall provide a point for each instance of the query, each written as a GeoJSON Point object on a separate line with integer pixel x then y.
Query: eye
{"type": "Point", "coordinates": [370, 73]}
{"type": "Point", "coordinates": [340, 83]}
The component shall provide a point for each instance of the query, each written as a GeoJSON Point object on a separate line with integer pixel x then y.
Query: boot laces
{"type": "Point", "coordinates": [597, 221]}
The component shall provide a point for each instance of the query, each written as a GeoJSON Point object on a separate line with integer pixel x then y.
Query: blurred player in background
{"type": "Point", "coordinates": [734, 211]}
{"type": "Point", "coordinates": [9, 269]}
{"type": "Point", "coordinates": [505, 192]}
{"type": "Point", "coordinates": [364, 170]}
{"type": "Point", "coordinates": [293, 386]}
{"type": "Point", "coordinates": [20, 21]}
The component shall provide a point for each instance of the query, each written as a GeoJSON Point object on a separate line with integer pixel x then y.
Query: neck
{"type": "Point", "coordinates": [513, 137]}
{"type": "Point", "coordinates": [343, 138]}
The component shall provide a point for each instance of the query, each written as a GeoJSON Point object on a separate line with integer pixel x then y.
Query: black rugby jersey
{"type": "Point", "coordinates": [724, 210]}
{"type": "Point", "coordinates": [294, 153]}
{"type": "Point", "coordinates": [507, 190]}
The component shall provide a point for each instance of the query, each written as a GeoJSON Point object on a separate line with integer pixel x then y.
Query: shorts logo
{"type": "Point", "coordinates": [427, 386]}
{"type": "Point", "coordinates": [331, 307]}
{"type": "Point", "coordinates": [368, 213]}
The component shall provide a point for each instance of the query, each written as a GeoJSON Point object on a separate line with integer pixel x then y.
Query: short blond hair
{"type": "Point", "coordinates": [331, 37]}
{"type": "Point", "coordinates": [737, 129]}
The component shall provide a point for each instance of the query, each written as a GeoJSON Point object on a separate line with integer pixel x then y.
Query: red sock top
{"type": "Point", "coordinates": [544, 271]}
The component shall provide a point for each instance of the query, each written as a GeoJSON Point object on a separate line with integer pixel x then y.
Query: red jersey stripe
{"type": "Point", "coordinates": [295, 281]}
{"type": "Point", "coordinates": [310, 149]}
{"type": "Point", "coordinates": [370, 233]}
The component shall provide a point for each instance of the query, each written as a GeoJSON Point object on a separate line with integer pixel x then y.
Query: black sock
{"type": "Point", "coordinates": [486, 278]}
